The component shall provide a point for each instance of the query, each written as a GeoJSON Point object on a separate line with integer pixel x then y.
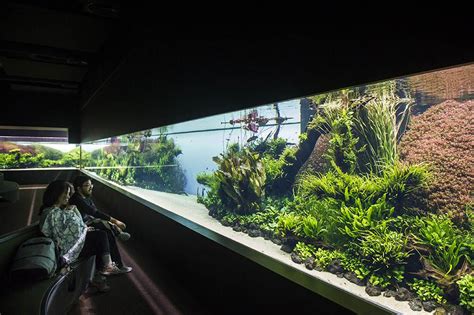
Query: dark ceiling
{"type": "Point", "coordinates": [101, 68]}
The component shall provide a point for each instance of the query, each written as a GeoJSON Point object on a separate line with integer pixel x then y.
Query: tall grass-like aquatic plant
{"type": "Point", "coordinates": [380, 119]}
{"type": "Point", "coordinates": [365, 129]}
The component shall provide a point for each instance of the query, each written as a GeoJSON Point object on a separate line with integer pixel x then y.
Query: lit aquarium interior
{"type": "Point", "coordinates": [373, 183]}
{"type": "Point", "coordinates": [34, 147]}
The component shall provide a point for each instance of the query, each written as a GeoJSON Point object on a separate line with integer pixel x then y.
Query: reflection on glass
{"type": "Point", "coordinates": [18, 155]}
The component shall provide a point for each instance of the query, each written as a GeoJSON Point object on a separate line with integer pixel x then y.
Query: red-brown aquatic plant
{"type": "Point", "coordinates": [443, 136]}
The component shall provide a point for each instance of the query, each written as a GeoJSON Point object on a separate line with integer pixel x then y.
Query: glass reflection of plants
{"type": "Point", "coordinates": [14, 156]}
{"type": "Point", "coordinates": [359, 211]}
{"type": "Point", "coordinates": [140, 160]}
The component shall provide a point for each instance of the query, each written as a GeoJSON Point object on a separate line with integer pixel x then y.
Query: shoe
{"type": "Point", "coordinates": [125, 269]}
{"type": "Point", "coordinates": [113, 269]}
{"type": "Point", "coordinates": [99, 283]}
{"type": "Point", "coordinates": [124, 236]}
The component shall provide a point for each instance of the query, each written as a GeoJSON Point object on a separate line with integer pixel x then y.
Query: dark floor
{"type": "Point", "coordinates": [146, 290]}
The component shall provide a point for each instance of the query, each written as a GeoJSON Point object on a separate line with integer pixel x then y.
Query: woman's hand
{"type": "Point", "coordinates": [118, 223]}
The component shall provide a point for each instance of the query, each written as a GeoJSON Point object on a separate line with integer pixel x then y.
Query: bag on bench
{"type": "Point", "coordinates": [35, 259]}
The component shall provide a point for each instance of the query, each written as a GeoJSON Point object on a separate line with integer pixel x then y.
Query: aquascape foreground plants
{"type": "Point", "coordinates": [361, 217]}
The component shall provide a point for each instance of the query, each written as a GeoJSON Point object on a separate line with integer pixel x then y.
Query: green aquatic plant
{"type": "Point", "coordinates": [364, 129]}
{"type": "Point", "coordinates": [324, 257]}
{"type": "Point", "coordinates": [269, 147]}
{"type": "Point", "coordinates": [445, 251]}
{"type": "Point", "coordinates": [289, 225]}
{"type": "Point", "coordinates": [304, 251]}
{"type": "Point", "coordinates": [355, 265]}
{"type": "Point", "coordinates": [383, 249]}
{"type": "Point", "coordinates": [325, 211]}
{"type": "Point", "coordinates": [392, 276]}
{"type": "Point", "coordinates": [312, 228]}
{"type": "Point", "coordinates": [466, 290]}
{"type": "Point", "coordinates": [241, 178]}
{"type": "Point", "coordinates": [401, 182]}
{"type": "Point", "coordinates": [379, 122]}
{"type": "Point", "coordinates": [229, 219]}
{"type": "Point", "coordinates": [337, 120]}
{"type": "Point", "coordinates": [278, 160]}
{"type": "Point", "coordinates": [398, 182]}
{"type": "Point", "coordinates": [360, 218]}
{"type": "Point", "coordinates": [340, 186]}
{"type": "Point", "coordinates": [211, 198]}
{"type": "Point", "coordinates": [303, 137]}
{"type": "Point", "coordinates": [427, 290]}
{"type": "Point", "coordinates": [384, 254]}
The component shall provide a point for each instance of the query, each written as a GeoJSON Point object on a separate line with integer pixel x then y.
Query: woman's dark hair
{"type": "Point", "coordinates": [52, 193]}
{"type": "Point", "coordinates": [80, 180]}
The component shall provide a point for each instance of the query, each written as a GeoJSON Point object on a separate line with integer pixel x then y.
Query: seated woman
{"type": "Point", "coordinates": [63, 223]}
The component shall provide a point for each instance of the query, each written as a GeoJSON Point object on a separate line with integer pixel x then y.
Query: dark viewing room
{"type": "Point", "coordinates": [151, 168]}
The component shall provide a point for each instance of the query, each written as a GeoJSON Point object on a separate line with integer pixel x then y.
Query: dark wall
{"type": "Point", "coordinates": [40, 110]}
{"type": "Point", "coordinates": [25, 210]}
{"type": "Point", "coordinates": [163, 80]}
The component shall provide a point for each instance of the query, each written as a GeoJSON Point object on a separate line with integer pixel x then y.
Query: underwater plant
{"type": "Point", "coordinates": [304, 251]}
{"type": "Point", "coordinates": [364, 128]}
{"type": "Point", "coordinates": [397, 183]}
{"type": "Point", "coordinates": [269, 147]}
{"type": "Point", "coordinates": [289, 225]}
{"type": "Point", "coordinates": [324, 257]}
{"type": "Point", "coordinates": [355, 265]}
{"type": "Point", "coordinates": [163, 171]}
{"type": "Point", "coordinates": [337, 120]}
{"type": "Point", "coordinates": [144, 162]}
{"type": "Point", "coordinates": [427, 291]}
{"type": "Point", "coordinates": [466, 290]}
{"type": "Point", "coordinates": [276, 170]}
{"type": "Point", "coordinates": [312, 228]}
{"type": "Point", "coordinates": [379, 121]}
{"type": "Point", "coordinates": [442, 136]}
{"type": "Point", "coordinates": [401, 182]}
{"type": "Point", "coordinates": [386, 253]}
{"type": "Point", "coordinates": [358, 219]}
{"type": "Point", "coordinates": [383, 280]}
{"type": "Point", "coordinates": [241, 177]}
{"type": "Point", "coordinates": [445, 251]}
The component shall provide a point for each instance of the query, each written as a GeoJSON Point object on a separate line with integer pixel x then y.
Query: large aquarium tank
{"type": "Point", "coordinates": [373, 183]}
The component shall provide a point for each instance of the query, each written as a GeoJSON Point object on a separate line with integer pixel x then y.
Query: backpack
{"type": "Point", "coordinates": [35, 259]}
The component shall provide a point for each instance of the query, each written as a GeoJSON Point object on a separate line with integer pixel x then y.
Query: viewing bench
{"type": "Point", "coordinates": [50, 296]}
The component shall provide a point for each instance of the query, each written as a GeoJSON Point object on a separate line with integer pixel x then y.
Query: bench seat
{"type": "Point", "coordinates": [55, 295]}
